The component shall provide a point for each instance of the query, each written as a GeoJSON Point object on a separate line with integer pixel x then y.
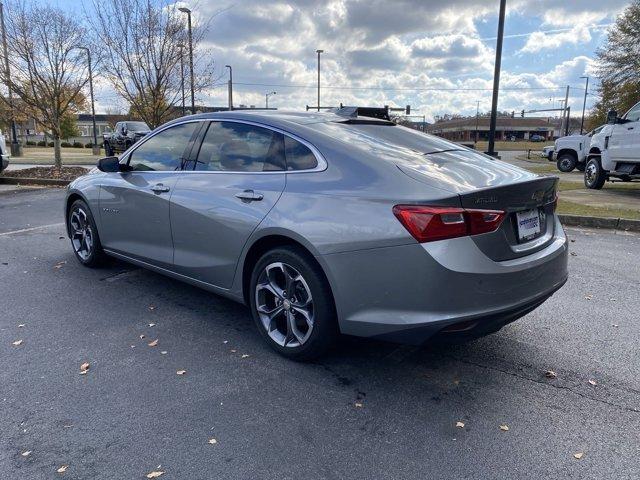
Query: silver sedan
{"type": "Point", "coordinates": [327, 223]}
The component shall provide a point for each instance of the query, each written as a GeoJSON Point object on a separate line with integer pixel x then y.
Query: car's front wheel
{"type": "Point", "coordinates": [292, 304]}
{"type": "Point", "coordinates": [594, 175]}
{"type": "Point", "coordinates": [84, 235]}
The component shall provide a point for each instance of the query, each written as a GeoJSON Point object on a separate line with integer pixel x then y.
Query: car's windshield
{"type": "Point", "coordinates": [137, 126]}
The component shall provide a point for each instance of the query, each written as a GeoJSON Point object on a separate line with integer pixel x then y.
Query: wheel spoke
{"type": "Point", "coordinates": [292, 328]}
{"type": "Point", "coordinates": [305, 314]}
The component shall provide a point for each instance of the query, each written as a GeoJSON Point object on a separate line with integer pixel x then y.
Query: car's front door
{"type": "Point", "coordinates": [237, 176]}
{"type": "Point", "coordinates": [134, 204]}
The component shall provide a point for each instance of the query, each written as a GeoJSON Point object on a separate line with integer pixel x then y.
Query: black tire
{"type": "Point", "coordinates": [580, 166]}
{"type": "Point", "coordinates": [94, 256]}
{"type": "Point", "coordinates": [566, 162]}
{"type": "Point", "coordinates": [594, 175]}
{"type": "Point", "coordinates": [108, 151]}
{"type": "Point", "coordinates": [324, 332]}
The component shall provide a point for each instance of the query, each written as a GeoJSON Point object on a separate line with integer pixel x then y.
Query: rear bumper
{"type": "Point", "coordinates": [410, 293]}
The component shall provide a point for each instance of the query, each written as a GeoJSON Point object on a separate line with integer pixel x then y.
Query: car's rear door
{"type": "Point", "coordinates": [237, 176]}
{"type": "Point", "coordinates": [134, 205]}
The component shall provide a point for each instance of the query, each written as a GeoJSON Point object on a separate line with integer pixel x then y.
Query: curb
{"type": "Point", "coordinates": [52, 182]}
{"type": "Point", "coordinates": [611, 223]}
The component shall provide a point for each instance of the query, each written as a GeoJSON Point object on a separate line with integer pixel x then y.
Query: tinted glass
{"type": "Point", "coordinates": [163, 151]}
{"type": "Point", "coordinates": [634, 113]}
{"type": "Point", "coordinates": [238, 147]}
{"type": "Point", "coordinates": [137, 126]}
{"type": "Point", "coordinates": [298, 155]}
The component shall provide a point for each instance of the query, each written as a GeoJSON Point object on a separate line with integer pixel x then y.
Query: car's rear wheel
{"type": "Point", "coordinates": [292, 304]}
{"type": "Point", "coordinates": [84, 235]}
{"type": "Point", "coordinates": [566, 162]}
{"type": "Point", "coordinates": [594, 175]}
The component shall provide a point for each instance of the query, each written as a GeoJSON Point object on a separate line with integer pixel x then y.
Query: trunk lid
{"type": "Point", "coordinates": [482, 182]}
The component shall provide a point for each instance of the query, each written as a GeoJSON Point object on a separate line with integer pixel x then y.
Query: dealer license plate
{"type": "Point", "coordinates": [528, 224]}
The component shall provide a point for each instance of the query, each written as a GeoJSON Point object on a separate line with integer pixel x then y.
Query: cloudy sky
{"type": "Point", "coordinates": [436, 55]}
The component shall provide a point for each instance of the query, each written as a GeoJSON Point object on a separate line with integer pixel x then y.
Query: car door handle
{"type": "Point", "coordinates": [159, 188]}
{"type": "Point", "coordinates": [249, 196]}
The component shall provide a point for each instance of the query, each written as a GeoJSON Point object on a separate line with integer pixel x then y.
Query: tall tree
{"type": "Point", "coordinates": [618, 66]}
{"type": "Point", "coordinates": [141, 42]}
{"type": "Point", "coordinates": [47, 72]}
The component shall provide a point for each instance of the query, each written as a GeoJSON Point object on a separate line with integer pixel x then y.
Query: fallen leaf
{"type": "Point", "coordinates": [213, 441]}
{"type": "Point", "coordinates": [244, 355]}
{"type": "Point", "coordinates": [26, 453]}
{"type": "Point", "coordinates": [181, 372]}
{"type": "Point", "coordinates": [152, 307]}
{"type": "Point", "coordinates": [142, 336]}
{"type": "Point", "coordinates": [84, 368]}
{"type": "Point", "coordinates": [460, 424]}
{"type": "Point", "coordinates": [21, 325]}
{"type": "Point", "coordinates": [153, 343]}
{"type": "Point", "coordinates": [572, 240]}
{"type": "Point", "coordinates": [615, 325]}
{"type": "Point", "coordinates": [358, 405]}
{"type": "Point", "coordinates": [164, 352]}
{"type": "Point", "coordinates": [59, 264]}
{"type": "Point", "coordinates": [155, 474]}
{"type": "Point", "coordinates": [550, 374]}
{"type": "Point", "coordinates": [593, 382]}
{"type": "Point", "coordinates": [226, 341]}
{"type": "Point", "coordinates": [578, 455]}
{"type": "Point", "coordinates": [574, 254]}
{"type": "Point", "coordinates": [62, 469]}
{"type": "Point", "coordinates": [17, 343]}
{"type": "Point", "coordinates": [588, 297]}
{"type": "Point", "coordinates": [152, 324]}
{"type": "Point", "coordinates": [504, 428]}
{"type": "Point", "coordinates": [233, 350]}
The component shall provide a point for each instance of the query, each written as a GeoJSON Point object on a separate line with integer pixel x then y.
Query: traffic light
{"type": "Point", "coordinates": [522, 113]}
{"type": "Point", "coordinates": [408, 110]}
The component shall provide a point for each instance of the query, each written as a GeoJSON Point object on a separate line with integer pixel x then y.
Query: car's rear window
{"type": "Point", "coordinates": [385, 135]}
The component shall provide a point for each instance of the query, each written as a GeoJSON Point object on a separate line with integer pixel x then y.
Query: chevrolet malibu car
{"type": "Point", "coordinates": [327, 223]}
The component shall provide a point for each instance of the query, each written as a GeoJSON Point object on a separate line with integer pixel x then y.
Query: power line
{"type": "Point", "coordinates": [408, 89]}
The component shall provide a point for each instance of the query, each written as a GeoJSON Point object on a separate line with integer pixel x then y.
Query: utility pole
{"type": "Point", "coordinates": [496, 81]}
{"type": "Point", "coordinates": [584, 104]}
{"type": "Point", "coordinates": [564, 114]}
{"type": "Point", "coordinates": [181, 47]}
{"type": "Point", "coordinates": [193, 89]}
{"type": "Point", "coordinates": [477, 116]}
{"type": "Point", "coordinates": [96, 147]}
{"type": "Point", "coordinates": [319, 52]}
{"type": "Point", "coordinates": [230, 84]}
{"type": "Point", "coordinates": [16, 148]}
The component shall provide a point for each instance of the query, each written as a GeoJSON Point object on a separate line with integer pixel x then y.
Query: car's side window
{"type": "Point", "coordinates": [239, 147]}
{"type": "Point", "coordinates": [634, 114]}
{"type": "Point", "coordinates": [298, 155]}
{"type": "Point", "coordinates": [165, 150]}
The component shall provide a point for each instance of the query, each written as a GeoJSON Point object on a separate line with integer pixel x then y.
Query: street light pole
{"type": "Point", "coordinates": [496, 80]}
{"type": "Point", "coordinates": [584, 105]}
{"type": "Point", "coordinates": [319, 52]}
{"type": "Point", "coordinates": [96, 147]}
{"type": "Point", "coordinates": [266, 99]}
{"type": "Point", "coordinates": [230, 87]}
{"type": "Point", "coordinates": [193, 92]}
{"type": "Point", "coordinates": [16, 148]}
{"type": "Point", "coordinates": [181, 47]}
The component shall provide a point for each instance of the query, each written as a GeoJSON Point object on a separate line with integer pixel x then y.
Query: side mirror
{"type": "Point", "coordinates": [612, 117]}
{"type": "Point", "coordinates": [109, 164]}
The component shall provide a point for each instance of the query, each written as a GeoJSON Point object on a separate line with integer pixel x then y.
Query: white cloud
{"type": "Point", "coordinates": [538, 42]}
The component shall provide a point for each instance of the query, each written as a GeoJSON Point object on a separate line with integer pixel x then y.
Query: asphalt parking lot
{"type": "Point", "coordinates": [369, 410]}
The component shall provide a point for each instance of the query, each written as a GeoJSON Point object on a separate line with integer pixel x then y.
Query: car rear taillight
{"type": "Point", "coordinates": [427, 224]}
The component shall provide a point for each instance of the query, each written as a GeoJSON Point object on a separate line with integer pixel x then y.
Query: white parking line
{"type": "Point", "coordinates": [22, 230]}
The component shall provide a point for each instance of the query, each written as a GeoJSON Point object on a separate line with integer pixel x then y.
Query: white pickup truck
{"type": "Point", "coordinates": [615, 152]}
{"type": "Point", "coordinates": [4, 154]}
{"type": "Point", "coordinates": [571, 152]}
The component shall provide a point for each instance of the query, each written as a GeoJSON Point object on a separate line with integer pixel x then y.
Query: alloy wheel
{"type": "Point", "coordinates": [591, 173]}
{"type": "Point", "coordinates": [284, 304]}
{"type": "Point", "coordinates": [81, 233]}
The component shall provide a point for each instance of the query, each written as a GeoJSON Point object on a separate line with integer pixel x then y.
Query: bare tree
{"type": "Point", "coordinates": [141, 43]}
{"type": "Point", "coordinates": [47, 72]}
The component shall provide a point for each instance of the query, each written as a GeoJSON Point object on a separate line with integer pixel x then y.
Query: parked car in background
{"type": "Point", "coordinates": [571, 151]}
{"type": "Point", "coordinates": [124, 135]}
{"type": "Point", "coordinates": [536, 138]}
{"type": "Point", "coordinates": [328, 222]}
{"type": "Point", "coordinates": [547, 152]}
{"type": "Point", "coordinates": [615, 154]}
{"type": "Point", "coordinates": [4, 153]}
